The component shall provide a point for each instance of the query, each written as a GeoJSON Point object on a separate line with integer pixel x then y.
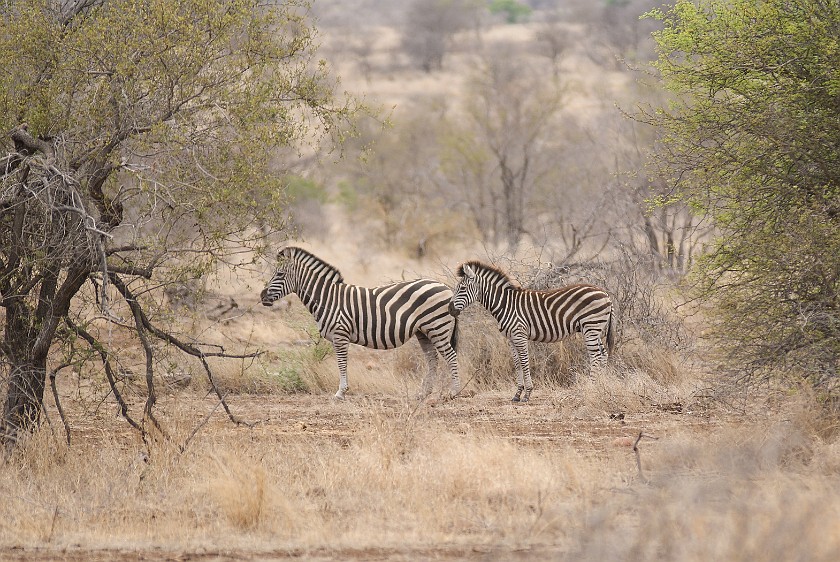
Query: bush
{"type": "Point", "coordinates": [750, 140]}
{"type": "Point", "coordinates": [650, 337]}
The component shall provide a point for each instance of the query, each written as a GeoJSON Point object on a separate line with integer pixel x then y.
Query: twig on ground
{"type": "Point", "coordinates": [202, 423]}
{"type": "Point", "coordinates": [638, 456]}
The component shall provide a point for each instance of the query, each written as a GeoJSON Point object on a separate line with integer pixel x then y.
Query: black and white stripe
{"type": "Point", "coordinates": [381, 318]}
{"type": "Point", "coordinates": [545, 316]}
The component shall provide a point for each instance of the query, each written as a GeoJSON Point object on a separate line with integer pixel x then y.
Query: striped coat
{"type": "Point", "coordinates": [380, 318]}
{"type": "Point", "coordinates": [545, 316]}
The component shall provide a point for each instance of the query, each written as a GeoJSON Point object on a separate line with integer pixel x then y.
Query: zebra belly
{"type": "Point", "coordinates": [547, 337]}
{"type": "Point", "coordinates": [360, 339]}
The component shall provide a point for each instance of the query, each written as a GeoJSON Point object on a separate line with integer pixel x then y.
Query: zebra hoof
{"type": "Point", "coordinates": [515, 398]}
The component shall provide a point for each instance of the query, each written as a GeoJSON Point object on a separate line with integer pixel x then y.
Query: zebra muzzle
{"type": "Point", "coordinates": [264, 298]}
{"type": "Point", "coordinates": [453, 311]}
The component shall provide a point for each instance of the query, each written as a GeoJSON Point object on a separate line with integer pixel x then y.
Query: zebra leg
{"type": "Point", "coordinates": [521, 344]}
{"type": "Point", "coordinates": [455, 379]}
{"type": "Point", "coordinates": [431, 358]}
{"type": "Point", "coordinates": [444, 347]}
{"type": "Point", "coordinates": [340, 345]}
{"type": "Point", "coordinates": [517, 364]}
{"type": "Point", "coordinates": [595, 348]}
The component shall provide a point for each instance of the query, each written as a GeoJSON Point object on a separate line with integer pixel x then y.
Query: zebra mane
{"type": "Point", "coordinates": [489, 271]}
{"type": "Point", "coordinates": [299, 253]}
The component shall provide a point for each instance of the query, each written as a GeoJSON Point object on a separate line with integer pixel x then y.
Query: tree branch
{"type": "Point", "coordinates": [109, 371]}
{"type": "Point", "coordinates": [9, 163]}
{"type": "Point", "coordinates": [63, 417]}
{"type": "Point", "coordinates": [185, 347]}
{"type": "Point", "coordinates": [137, 312]}
{"type": "Point", "coordinates": [128, 248]}
{"type": "Point", "coordinates": [27, 145]}
{"type": "Point", "coordinates": [73, 281]}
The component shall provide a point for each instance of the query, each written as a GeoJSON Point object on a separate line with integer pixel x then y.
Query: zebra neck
{"type": "Point", "coordinates": [497, 301]}
{"type": "Point", "coordinates": [311, 302]}
{"type": "Point", "coordinates": [313, 294]}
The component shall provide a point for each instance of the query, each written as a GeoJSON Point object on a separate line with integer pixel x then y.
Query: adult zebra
{"type": "Point", "coordinates": [545, 316]}
{"type": "Point", "coordinates": [381, 318]}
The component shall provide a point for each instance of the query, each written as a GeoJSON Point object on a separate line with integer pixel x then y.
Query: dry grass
{"type": "Point", "coordinates": [348, 478]}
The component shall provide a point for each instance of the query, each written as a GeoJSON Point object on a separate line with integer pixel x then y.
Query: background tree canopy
{"type": "Point", "coordinates": [144, 133]}
{"type": "Point", "coordinates": [752, 138]}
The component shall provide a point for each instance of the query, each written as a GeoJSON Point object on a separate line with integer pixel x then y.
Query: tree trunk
{"type": "Point", "coordinates": [22, 411]}
{"type": "Point", "coordinates": [27, 340]}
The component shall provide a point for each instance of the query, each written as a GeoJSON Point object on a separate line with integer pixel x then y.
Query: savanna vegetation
{"type": "Point", "coordinates": [158, 153]}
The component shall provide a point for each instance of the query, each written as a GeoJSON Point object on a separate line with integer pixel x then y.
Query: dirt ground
{"type": "Point", "coordinates": [278, 420]}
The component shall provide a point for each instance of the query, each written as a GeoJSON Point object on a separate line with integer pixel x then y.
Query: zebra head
{"type": "Point", "coordinates": [466, 292]}
{"type": "Point", "coordinates": [279, 286]}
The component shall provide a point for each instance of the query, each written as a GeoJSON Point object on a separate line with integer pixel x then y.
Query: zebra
{"type": "Point", "coordinates": [545, 316]}
{"type": "Point", "coordinates": [380, 318]}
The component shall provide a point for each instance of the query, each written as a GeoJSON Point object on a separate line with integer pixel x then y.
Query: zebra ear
{"type": "Point", "coordinates": [468, 271]}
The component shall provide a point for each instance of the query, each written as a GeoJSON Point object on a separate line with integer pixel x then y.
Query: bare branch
{"type": "Point", "coordinates": [139, 325]}
{"type": "Point", "coordinates": [201, 424]}
{"type": "Point", "coordinates": [143, 321]}
{"type": "Point", "coordinates": [63, 417]}
{"type": "Point", "coordinates": [109, 371]}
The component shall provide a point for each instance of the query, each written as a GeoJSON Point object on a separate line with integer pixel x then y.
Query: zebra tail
{"type": "Point", "coordinates": [611, 333]}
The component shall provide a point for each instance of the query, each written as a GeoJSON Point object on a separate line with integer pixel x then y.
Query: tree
{"type": "Point", "coordinates": [751, 138]}
{"type": "Point", "coordinates": [505, 136]}
{"type": "Point", "coordinates": [617, 35]}
{"type": "Point", "coordinates": [142, 133]}
{"type": "Point", "coordinates": [555, 37]}
{"type": "Point", "coordinates": [430, 26]}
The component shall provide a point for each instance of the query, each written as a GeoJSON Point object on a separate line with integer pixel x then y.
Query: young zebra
{"type": "Point", "coordinates": [545, 316]}
{"type": "Point", "coordinates": [381, 318]}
